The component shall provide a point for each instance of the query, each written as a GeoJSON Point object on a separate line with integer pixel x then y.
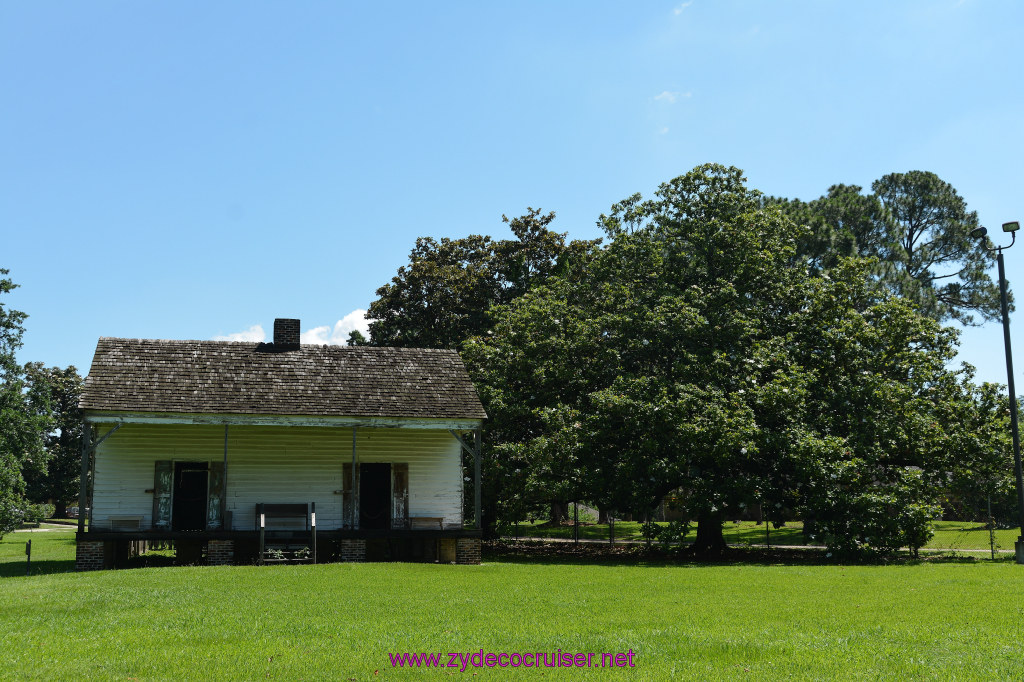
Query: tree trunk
{"type": "Point", "coordinates": [809, 528]}
{"type": "Point", "coordinates": [557, 513]}
{"type": "Point", "coordinates": [602, 517]}
{"type": "Point", "coordinates": [490, 492]}
{"type": "Point", "coordinates": [709, 534]}
{"type": "Point", "coordinates": [60, 510]}
{"type": "Point", "coordinates": [488, 519]}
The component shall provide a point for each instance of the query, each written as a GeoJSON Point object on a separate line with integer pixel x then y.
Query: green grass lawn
{"type": "Point", "coordinates": [949, 535]}
{"type": "Point", "coordinates": [934, 620]}
{"type": "Point", "coordinates": [745, 532]}
{"type": "Point", "coordinates": [52, 551]}
{"type": "Point", "coordinates": [969, 535]}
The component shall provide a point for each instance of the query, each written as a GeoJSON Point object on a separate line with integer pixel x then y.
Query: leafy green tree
{"type": "Point", "coordinates": [696, 351]}
{"type": "Point", "coordinates": [442, 296]}
{"type": "Point", "coordinates": [918, 228]}
{"type": "Point", "coordinates": [632, 375]}
{"type": "Point", "coordinates": [23, 418]}
{"type": "Point", "coordinates": [980, 454]}
{"type": "Point", "coordinates": [877, 407]}
{"type": "Point", "coordinates": [841, 224]}
{"type": "Point", "coordinates": [934, 261]}
{"type": "Point", "coordinates": [62, 388]}
{"type": "Point", "coordinates": [356, 338]}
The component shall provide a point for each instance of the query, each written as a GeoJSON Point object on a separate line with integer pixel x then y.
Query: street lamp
{"type": "Point", "coordinates": [979, 233]}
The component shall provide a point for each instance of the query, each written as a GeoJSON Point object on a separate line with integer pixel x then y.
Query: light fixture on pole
{"type": "Point", "coordinates": [980, 233]}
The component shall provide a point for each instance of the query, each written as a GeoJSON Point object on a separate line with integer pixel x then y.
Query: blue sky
{"type": "Point", "coordinates": [194, 170]}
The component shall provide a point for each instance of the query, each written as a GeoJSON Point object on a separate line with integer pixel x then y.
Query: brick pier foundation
{"type": "Point", "coordinates": [220, 552]}
{"type": "Point", "coordinates": [89, 555]}
{"type": "Point", "coordinates": [353, 550]}
{"type": "Point", "coordinates": [467, 551]}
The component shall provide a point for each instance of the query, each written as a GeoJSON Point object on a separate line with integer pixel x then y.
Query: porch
{"type": "Point", "coordinates": [371, 492]}
{"type": "Point", "coordinates": [114, 549]}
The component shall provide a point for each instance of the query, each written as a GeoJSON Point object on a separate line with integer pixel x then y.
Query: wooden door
{"type": "Point", "coordinates": [374, 496]}
{"type": "Point", "coordinates": [191, 494]}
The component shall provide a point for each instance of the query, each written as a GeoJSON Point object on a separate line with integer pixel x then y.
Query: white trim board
{"type": "Point", "coordinates": [97, 417]}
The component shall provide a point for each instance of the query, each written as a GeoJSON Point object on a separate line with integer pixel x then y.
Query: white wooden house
{"type": "Point", "coordinates": [187, 438]}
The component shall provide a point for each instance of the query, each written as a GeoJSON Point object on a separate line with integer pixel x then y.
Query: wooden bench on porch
{"type": "Point", "coordinates": [285, 526]}
{"type": "Point", "coordinates": [426, 523]}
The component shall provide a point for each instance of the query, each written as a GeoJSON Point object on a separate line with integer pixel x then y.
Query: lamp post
{"type": "Point", "coordinates": [980, 233]}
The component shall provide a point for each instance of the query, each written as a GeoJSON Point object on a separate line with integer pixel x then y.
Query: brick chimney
{"type": "Point", "coordinates": [286, 334]}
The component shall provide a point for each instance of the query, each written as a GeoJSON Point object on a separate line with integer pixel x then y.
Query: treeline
{"type": "Point", "coordinates": [40, 429]}
{"type": "Point", "coordinates": [729, 349]}
{"type": "Point", "coordinates": [718, 346]}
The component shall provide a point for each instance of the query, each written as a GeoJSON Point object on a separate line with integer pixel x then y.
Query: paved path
{"type": "Point", "coordinates": [43, 529]}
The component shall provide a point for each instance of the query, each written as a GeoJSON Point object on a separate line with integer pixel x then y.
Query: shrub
{"type": "Point", "coordinates": [11, 515]}
{"type": "Point", "coordinates": [869, 516]}
{"type": "Point", "coordinates": [673, 533]}
{"type": "Point", "coordinates": [35, 513]}
{"type": "Point", "coordinates": [650, 531]}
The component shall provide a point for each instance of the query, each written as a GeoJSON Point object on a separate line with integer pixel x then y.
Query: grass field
{"type": "Point", "coordinates": [949, 535]}
{"type": "Point", "coordinates": [934, 620]}
{"type": "Point", "coordinates": [52, 551]}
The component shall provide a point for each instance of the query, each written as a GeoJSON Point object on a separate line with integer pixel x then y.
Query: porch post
{"type": "Point", "coordinates": [355, 483]}
{"type": "Point", "coordinates": [84, 481]}
{"type": "Point", "coordinates": [91, 494]}
{"type": "Point", "coordinates": [224, 486]}
{"type": "Point", "coordinates": [477, 438]}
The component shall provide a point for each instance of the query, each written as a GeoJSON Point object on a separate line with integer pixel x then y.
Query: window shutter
{"type": "Point", "coordinates": [215, 499]}
{"type": "Point", "coordinates": [163, 486]}
{"type": "Point", "coordinates": [346, 496]}
{"type": "Point", "coordinates": [399, 495]}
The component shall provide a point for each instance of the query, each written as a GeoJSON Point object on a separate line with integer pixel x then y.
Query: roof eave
{"type": "Point", "coordinates": [123, 417]}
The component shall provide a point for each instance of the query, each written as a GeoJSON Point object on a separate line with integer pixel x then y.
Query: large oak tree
{"type": "Point", "coordinates": [698, 352]}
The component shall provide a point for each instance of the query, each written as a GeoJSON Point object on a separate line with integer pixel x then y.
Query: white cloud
{"type": "Point", "coordinates": [338, 335]}
{"type": "Point", "coordinates": [679, 10]}
{"type": "Point", "coordinates": [254, 333]}
{"type": "Point", "coordinates": [663, 130]}
{"type": "Point", "coordinates": [325, 335]}
{"type": "Point", "coordinates": [318, 335]}
{"type": "Point", "coordinates": [671, 97]}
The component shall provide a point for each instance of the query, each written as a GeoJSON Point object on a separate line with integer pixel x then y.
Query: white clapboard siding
{"type": "Point", "coordinates": [276, 465]}
{"type": "Point", "coordinates": [435, 468]}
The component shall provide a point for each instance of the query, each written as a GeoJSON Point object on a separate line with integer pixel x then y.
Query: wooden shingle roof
{"type": "Point", "coordinates": [217, 377]}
